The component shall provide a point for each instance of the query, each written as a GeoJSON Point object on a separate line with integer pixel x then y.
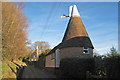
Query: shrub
{"type": "Point", "coordinates": [112, 65]}
{"type": "Point", "coordinates": [21, 58]}
{"type": "Point", "coordinates": [76, 67]}
{"type": "Point", "coordinates": [41, 61]}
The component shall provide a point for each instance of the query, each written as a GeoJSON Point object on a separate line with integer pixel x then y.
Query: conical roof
{"type": "Point", "coordinates": [75, 28]}
{"type": "Point", "coordinates": [76, 34]}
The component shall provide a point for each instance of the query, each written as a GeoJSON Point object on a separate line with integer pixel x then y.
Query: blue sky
{"type": "Point", "coordinates": [100, 20]}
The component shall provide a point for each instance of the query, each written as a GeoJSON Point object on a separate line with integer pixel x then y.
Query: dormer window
{"type": "Point", "coordinates": [85, 50]}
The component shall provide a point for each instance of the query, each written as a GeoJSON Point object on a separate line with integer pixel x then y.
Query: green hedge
{"type": "Point", "coordinates": [76, 67]}
{"type": "Point", "coordinates": [41, 61]}
{"type": "Point", "coordinates": [112, 65]}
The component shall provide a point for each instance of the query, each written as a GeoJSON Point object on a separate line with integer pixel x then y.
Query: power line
{"type": "Point", "coordinates": [56, 12]}
{"type": "Point", "coordinates": [48, 19]}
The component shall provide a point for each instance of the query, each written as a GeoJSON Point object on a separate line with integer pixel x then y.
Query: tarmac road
{"type": "Point", "coordinates": [32, 72]}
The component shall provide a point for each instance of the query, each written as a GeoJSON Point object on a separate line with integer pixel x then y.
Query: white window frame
{"type": "Point", "coordinates": [86, 49]}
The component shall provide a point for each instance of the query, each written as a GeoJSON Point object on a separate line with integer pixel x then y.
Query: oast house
{"type": "Point", "coordinates": [76, 42]}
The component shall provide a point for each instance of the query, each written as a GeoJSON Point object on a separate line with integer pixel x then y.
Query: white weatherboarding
{"type": "Point", "coordinates": [57, 55]}
{"type": "Point", "coordinates": [73, 12]}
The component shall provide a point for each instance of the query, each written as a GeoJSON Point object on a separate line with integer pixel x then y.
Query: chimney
{"type": "Point", "coordinates": [36, 50]}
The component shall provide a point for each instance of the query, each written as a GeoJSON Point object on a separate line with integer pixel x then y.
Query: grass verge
{"type": "Point", "coordinates": [9, 69]}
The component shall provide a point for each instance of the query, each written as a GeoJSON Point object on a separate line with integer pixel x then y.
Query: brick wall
{"type": "Point", "coordinates": [68, 52]}
{"type": "Point", "coordinates": [49, 62]}
{"type": "Point", "coordinates": [75, 52]}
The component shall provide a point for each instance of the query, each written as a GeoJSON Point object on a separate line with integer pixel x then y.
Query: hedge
{"type": "Point", "coordinates": [76, 67]}
{"type": "Point", "coordinates": [112, 65]}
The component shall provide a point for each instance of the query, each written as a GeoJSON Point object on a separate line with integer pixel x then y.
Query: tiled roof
{"type": "Point", "coordinates": [81, 41]}
{"type": "Point", "coordinates": [75, 28]}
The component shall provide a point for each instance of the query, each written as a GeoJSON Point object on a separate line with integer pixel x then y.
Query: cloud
{"type": "Point", "coordinates": [103, 48]}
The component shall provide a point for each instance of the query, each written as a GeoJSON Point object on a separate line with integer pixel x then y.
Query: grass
{"type": "Point", "coordinates": [0, 70]}
{"type": "Point", "coordinates": [6, 70]}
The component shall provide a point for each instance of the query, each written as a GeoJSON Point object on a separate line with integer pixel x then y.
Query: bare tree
{"type": "Point", "coordinates": [42, 46]}
{"type": "Point", "coordinates": [14, 30]}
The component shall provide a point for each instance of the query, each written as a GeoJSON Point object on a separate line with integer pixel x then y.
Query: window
{"type": "Point", "coordinates": [52, 56]}
{"type": "Point", "coordinates": [85, 50]}
{"type": "Point", "coordinates": [34, 56]}
{"type": "Point", "coordinates": [34, 59]}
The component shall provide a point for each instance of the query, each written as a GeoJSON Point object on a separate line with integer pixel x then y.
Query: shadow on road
{"type": "Point", "coordinates": [12, 69]}
{"type": "Point", "coordinates": [19, 70]}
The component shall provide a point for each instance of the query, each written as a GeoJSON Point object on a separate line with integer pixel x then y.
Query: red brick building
{"type": "Point", "coordinates": [35, 55]}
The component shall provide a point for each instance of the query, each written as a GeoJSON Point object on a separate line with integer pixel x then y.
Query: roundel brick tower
{"type": "Point", "coordinates": [76, 41]}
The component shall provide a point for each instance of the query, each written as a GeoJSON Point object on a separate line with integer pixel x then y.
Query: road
{"type": "Point", "coordinates": [32, 72]}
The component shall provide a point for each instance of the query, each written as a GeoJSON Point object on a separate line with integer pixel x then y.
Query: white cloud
{"type": "Point", "coordinates": [103, 48]}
